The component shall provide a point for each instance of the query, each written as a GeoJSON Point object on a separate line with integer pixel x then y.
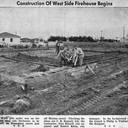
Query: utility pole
{"type": "Point", "coordinates": [101, 36]}
{"type": "Point", "coordinates": [124, 34]}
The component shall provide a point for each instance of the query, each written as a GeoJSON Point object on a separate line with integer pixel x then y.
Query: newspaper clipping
{"type": "Point", "coordinates": [64, 64]}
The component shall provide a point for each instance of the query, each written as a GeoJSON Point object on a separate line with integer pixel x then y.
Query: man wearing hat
{"type": "Point", "coordinates": [78, 56]}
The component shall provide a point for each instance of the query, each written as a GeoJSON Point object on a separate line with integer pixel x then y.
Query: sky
{"type": "Point", "coordinates": [44, 22]}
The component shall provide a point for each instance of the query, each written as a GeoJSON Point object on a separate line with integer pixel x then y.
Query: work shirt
{"type": "Point", "coordinates": [79, 52]}
{"type": "Point", "coordinates": [61, 55]}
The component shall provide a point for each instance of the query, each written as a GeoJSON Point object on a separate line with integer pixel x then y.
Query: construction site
{"type": "Point", "coordinates": [32, 83]}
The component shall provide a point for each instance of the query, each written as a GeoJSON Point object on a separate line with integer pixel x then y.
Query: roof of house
{"type": "Point", "coordinates": [25, 40]}
{"type": "Point", "coordinates": [8, 35]}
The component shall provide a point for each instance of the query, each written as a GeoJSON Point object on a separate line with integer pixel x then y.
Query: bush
{"type": "Point", "coordinates": [1, 46]}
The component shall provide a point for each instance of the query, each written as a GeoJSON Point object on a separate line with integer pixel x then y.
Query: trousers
{"type": "Point", "coordinates": [78, 60]}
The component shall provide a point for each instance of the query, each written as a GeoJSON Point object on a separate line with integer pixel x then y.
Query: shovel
{"type": "Point", "coordinates": [90, 69]}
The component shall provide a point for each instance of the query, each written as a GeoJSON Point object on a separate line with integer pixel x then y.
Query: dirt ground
{"type": "Point", "coordinates": [65, 90]}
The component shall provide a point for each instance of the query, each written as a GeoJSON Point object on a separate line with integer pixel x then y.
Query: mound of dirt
{"type": "Point", "coordinates": [22, 105]}
{"type": "Point", "coordinates": [10, 80]}
{"type": "Point", "coordinates": [7, 103]}
{"type": "Point", "coordinates": [17, 105]}
{"type": "Point", "coordinates": [25, 57]}
{"type": "Point", "coordinates": [41, 68]}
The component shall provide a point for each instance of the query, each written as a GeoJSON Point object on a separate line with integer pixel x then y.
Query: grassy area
{"type": "Point", "coordinates": [99, 46]}
{"type": "Point", "coordinates": [94, 44]}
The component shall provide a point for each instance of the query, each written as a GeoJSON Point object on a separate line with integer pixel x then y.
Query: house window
{"type": "Point", "coordinates": [11, 39]}
{"type": "Point", "coordinates": [3, 39]}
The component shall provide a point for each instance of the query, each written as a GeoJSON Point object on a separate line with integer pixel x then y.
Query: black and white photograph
{"type": "Point", "coordinates": [63, 60]}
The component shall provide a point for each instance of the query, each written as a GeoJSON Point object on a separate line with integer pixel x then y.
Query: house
{"type": "Point", "coordinates": [26, 42]}
{"type": "Point", "coordinates": [52, 43]}
{"type": "Point", "coordinates": [39, 42]}
{"type": "Point", "coordinates": [9, 39]}
{"type": "Point", "coordinates": [42, 43]}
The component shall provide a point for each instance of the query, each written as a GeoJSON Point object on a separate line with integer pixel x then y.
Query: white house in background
{"type": "Point", "coordinates": [9, 39]}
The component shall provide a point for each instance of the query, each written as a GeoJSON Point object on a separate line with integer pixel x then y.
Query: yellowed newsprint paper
{"type": "Point", "coordinates": [63, 64]}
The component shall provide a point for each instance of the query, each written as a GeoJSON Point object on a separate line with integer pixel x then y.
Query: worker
{"type": "Point", "coordinates": [62, 57]}
{"type": "Point", "coordinates": [47, 46]}
{"type": "Point", "coordinates": [69, 57]}
{"type": "Point", "coordinates": [57, 47]}
{"type": "Point", "coordinates": [61, 45]}
{"type": "Point", "coordinates": [78, 56]}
